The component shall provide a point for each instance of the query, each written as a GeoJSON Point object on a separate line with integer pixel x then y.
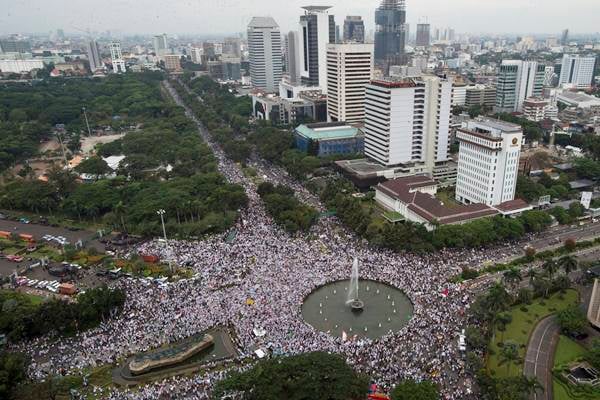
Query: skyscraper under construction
{"type": "Point", "coordinates": [390, 36]}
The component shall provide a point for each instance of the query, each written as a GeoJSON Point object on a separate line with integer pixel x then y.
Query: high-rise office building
{"type": "Point", "coordinates": [564, 39]}
{"type": "Point", "coordinates": [293, 57]}
{"type": "Point", "coordinates": [577, 71]}
{"type": "Point", "coordinates": [317, 30]}
{"type": "Point", "coordinates": [423, 35]}
{"type": "Point", "coordinates": [349, 70]}
{"type": "Point", "coordinates": [161, 44]}
{"type": "Point", "coordinates": [518, 80]}
{"type": "Point", "coordinates": [488, 161]}
{"type": "Point", "coordinates": [93, 53]}
{"type": "Point", "coordinates": [116, 57]}
{"type": "Point", "coordinates": [354, 29]}
{"type": "Point", "coordinates": [232, 46]}
{"type": "Point", "coordinates": [264, 45]}
{"type": "Point", "coordinates": [15, 46]}
{"type": "Point", "coordinates": [172, 62]}
{"type": "Point", "coordinates": [390, 37]}
{"type": "Point", "coordinates": [407, 121]}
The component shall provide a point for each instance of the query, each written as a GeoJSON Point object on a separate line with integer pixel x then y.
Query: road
{"type": "Point", "coordinates": [539, 359]}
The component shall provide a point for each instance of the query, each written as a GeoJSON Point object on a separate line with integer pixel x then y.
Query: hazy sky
{"type": "Point", "coordinates": [227, 16]}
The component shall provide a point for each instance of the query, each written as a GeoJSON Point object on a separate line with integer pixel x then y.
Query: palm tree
{"type": "Point", "coordinates": [512, 277]}
{"type": "Point", "coordinates": [509, 354]}
{"type": "Point", "coordinates": [120, 212]}
{"type": "Point", "coordinates": [550, 267]}
{"type": "Point", "coordinates": [532, 275]}
{"type": "Point", "coordinates": [568, 264]}
{"type": "Point", "coordinates": [531, 385]}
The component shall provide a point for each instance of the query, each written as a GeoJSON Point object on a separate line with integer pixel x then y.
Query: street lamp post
{"type": "Point", "coordinates": [86, 121]}
{"type": "Point", "coordinates": [162, 213]}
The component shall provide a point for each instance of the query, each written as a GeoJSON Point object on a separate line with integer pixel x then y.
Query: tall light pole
{"type": "Point", "coordinates": [86, 121]}
{"type": "Point", "coordinates": [162, 213]}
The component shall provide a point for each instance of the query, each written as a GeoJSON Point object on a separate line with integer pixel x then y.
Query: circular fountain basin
{"type": "Point", "coordinates": [381, 309]}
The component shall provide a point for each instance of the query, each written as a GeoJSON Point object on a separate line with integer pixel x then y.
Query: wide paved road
{"type": "Point", "coordinates": [539, 358]}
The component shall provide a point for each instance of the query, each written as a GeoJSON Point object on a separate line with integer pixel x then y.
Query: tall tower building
{"type": "Point", "coordinates": [577, 71]}
{"type": "Point", "coordinates": [518, 80]}
{"type": "Point", "coordinates": [407, 121]}
{"type": "Point", "coordinates": [293, 57]}
{"type": "Point", "coordinates": [349, 70]}
{"type": "Point", "coordinates": [488, 161]}
{"type": "Point", "coordinates": [423, 35]}
{"type": "Point", "coordinates": [116, 56]}
{"type": "Point", "coordinates": [93, 53]}
{"type": "Point", "coordinates": [354, 29]}
{"type": "Point", "coordinates": [161, 44]}
{"type": "Point", "coordinates": [264, 45]}
{"type": "Point", "coordinates": [317, 30]}
{"type": "Point", "coordinates": [390, 35]}
{"type": "Point", "coordinates": [564, 39]}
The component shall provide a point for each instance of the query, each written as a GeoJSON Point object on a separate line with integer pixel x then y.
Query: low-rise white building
{"type": "Point", "coordinates": [20, 66]}
{"type": "Point", "coordinates": [488, 161]}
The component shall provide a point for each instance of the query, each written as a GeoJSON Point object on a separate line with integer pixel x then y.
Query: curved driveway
{"type": "Point", "coordinates": [539, 359]}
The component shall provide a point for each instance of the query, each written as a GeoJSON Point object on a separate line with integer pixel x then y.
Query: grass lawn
{"type": "Point", "coordinates": [521, 327]}
{"type": "Point", "coordinates": [567, 351]}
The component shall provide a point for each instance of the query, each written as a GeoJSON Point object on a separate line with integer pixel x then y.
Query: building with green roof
{"type": "Point", "coordinates": [326, 139]}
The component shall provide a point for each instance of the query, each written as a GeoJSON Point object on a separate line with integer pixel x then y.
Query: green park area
{"type": "Point", "coordinates": [523, 320]}
{"type": "Point", "coordinates": [568, 351]}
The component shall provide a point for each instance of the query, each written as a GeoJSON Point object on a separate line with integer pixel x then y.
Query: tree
{"type": "Point", "coordinates": [593, 356]}
{"type": "Point", "coordinates": [568, 264]}
{"type": "Point", "coordinates": [12, 371]}
{"type": "Point", "coordinates": [315, 375]}
{"type": "Point", "coordinates": [550, 267]}
{"type": "Point", "coordinates": [413, 390]}
{"type": "Point", "coordinates": [572, 320]}
{"type": "Point", "coordinates": [570, 244]}
{"type": "Point", "coordinates": [512, 277]}
{"type": "Point", "coordinates": [509, 354]}
{"type": "Point", "coordinates": [95, 166]}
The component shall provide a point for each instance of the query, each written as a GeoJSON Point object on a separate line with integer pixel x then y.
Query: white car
{"type": "Point", "coordinates": [462, 341]}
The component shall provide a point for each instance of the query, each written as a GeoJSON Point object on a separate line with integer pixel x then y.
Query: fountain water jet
{"type": "Point", "coordinates": [353, 301]}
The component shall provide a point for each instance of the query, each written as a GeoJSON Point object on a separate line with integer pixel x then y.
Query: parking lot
{"type": "Point", "coordinates": [39, 231]}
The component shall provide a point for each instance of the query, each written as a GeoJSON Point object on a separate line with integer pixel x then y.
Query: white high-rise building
{"type": "Point", "coordinates": [264, 45]}
{"type": "Point", "coordinates": [408, 121]}
{"type": "Point", "coordinates": [317, 30]}
{"type": "Point", "coordinates": [488, 161]}
{"type": "Point", "coordinates": [577, 71]}
{"type": "Point", "coordinates": [161, 45]}
{"type": "Point", "coordinates": [459, 95]}
{"type": "Point", "coordinates": [517, 81]}
{"type": "Point", "coordinates": [349, 71]}
{"type": "Point", "coordinates": [196, 54]}
{"type": "Point", "coordinates": [116, 56]}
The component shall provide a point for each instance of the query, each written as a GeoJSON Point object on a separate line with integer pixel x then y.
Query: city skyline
{"type": "Point", "coordinates": [231, 16]}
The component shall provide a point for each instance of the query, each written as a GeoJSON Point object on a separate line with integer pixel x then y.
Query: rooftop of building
{"type": "Point", "coordinates": [429, 207]}
{"type": "Point", "coordinates": [578, 97]}
{"type": "Point", "coordinates": [328, 131]}
{"type": "Point", "coordinates": [498, 124]}
{"type": "Point", "coordinates": [316, 8]}
{"type": "Point", "coordinates": [391, 83]}
{"type": "Point", "coordinates": [262, 22]}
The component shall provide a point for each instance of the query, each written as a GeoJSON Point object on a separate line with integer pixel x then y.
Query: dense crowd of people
{"type": "Point", "coordinates": [276, 272]}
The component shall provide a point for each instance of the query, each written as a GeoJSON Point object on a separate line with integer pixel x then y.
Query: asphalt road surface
{"type": "Point", "coordinates": [539, 359]}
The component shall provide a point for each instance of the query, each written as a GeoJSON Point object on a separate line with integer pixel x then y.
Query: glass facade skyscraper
{"type": "Point", "coordinates": [390, 36]}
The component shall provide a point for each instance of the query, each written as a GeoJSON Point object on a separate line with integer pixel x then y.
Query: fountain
{"type": "Point", "coordinates": [353, 301]}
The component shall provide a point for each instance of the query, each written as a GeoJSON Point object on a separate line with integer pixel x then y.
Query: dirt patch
{"type": "Point", "coordinates": [89, 142]}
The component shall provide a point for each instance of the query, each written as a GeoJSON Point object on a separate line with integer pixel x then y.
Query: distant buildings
{"type": "Point", "coordinates": [488, 161]}
{"type": "Point", "coordinates": [116, 57]}
{"type": "Point", "coordinates": [93, 53]}
{"type": "Point", "coordinates": [264, 45]}
{"type": "Point", "coordinates": [564, 39]}
{"type": "Point", "coordinates": [408, 121]}
{"type": "Point", "coordinates": [538, 109]}
{"type": "Point", "coordinates": [354, 29]}
{"type": "Point", "coordinates": [423, 38]}
{"type": "Point", "coordinates": [480, 95]}
{"type": "Point", "coordinates": [518, 80]}
{"type": "Point", "coordinates": [349, 71]}
{"type": "Point", "coordinates": [172, 62]}
{"type": "Point", "coordinates": [161, 45]}
{"type": "Point", "coordinates": [317, 30]}
{"type": "Point", "coordinates": [294, 68]}
{"type": "Point", "coordinates": [326, 139]}
{"type": "Point", "coordinates": [578, 100]}
{"type": "Point", "coordinates": [20, 66]}
{"type": "Point", "coordinates": [15, 46]}
{"type": "Point", "coordinates": [390, 35]}
{"type": "Point", "coordinates": [577, 71]}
